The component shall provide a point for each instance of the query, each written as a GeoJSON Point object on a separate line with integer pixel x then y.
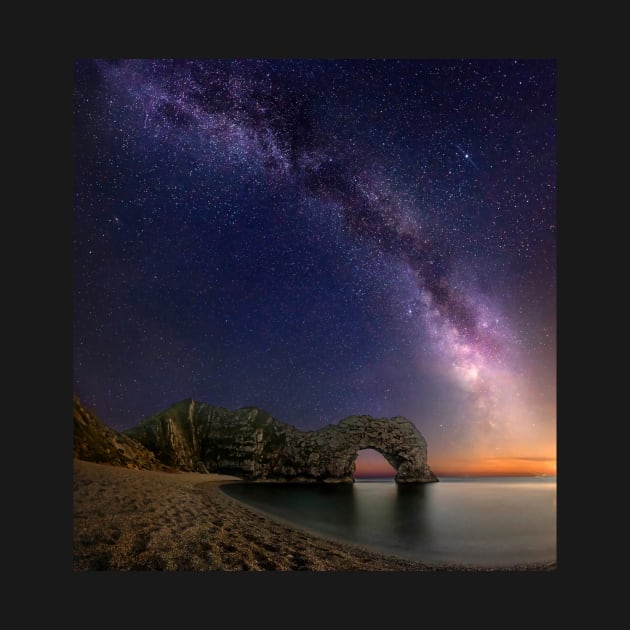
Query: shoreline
{"type": "Point", "coordinates": [375, 551]}
{"type": "Point", "coordinates": [138, 520]}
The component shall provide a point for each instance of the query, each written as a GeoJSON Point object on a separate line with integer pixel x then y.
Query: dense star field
{"type": "Point", "coordinates": [322, 238]}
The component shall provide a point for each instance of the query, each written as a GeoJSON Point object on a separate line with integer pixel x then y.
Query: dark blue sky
{"type": "Point", "coordinates": [320, 239]}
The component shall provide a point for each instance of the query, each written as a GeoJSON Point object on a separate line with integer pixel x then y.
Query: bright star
{"type": "Point", "coordinates": [466, 155]}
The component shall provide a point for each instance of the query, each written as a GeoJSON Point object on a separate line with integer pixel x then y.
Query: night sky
{"type": "Point", "coordinates": [322, 238]}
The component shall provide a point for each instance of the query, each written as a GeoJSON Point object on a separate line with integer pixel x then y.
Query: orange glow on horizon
{"type": "Point", "coordinates": [370, 463]}
{"type": "Point", "coordinates": [373, 464]}
{"type": "Point", "coordinates": [496, 467]}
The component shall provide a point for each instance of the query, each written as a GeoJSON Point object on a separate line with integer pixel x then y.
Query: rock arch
{"type": "Point", "coordinates": [252, 444]}
{"type": "Point", "coordinates": [396, 439]}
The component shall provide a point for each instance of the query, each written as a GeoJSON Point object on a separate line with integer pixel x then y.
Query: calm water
{"type": "Point", "coordinates": [483, 521]}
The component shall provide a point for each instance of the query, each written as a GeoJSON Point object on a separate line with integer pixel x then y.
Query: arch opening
{"type": "Point", "coordinates": [371, 463]}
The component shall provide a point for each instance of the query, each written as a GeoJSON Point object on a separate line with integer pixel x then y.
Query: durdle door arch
{"type": "Point", "coordinates": [250, 443]}
{"type": "Point", "coordinates": [396, 439]}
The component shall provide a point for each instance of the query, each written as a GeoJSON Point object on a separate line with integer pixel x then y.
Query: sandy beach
{"type": "Point", "coordinates": [130, 520]}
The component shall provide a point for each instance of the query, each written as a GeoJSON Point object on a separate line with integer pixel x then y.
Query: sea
{"type": "Point", "coordinates": [483, 521]}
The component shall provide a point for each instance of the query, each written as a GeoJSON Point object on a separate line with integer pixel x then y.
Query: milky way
{"type": "Point", "coordinates": [312, 238]}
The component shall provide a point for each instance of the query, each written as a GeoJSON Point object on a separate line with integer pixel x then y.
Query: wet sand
{"type": "Point", "coordinates": [137, 520]}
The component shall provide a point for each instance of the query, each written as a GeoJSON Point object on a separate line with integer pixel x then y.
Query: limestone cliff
{"type": "Point", "coordinates": [250, 443]}
{"type": "Point", "coordinates": [96, 442]}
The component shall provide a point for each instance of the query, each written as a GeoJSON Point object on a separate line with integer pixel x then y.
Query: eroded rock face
{"type": "Point", "coordinates": [96, 442]}
{"type": "Point", "coordinates": [250, 443]}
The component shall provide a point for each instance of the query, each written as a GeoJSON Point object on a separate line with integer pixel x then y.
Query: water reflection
{"type": "Point", "coordinates": [366, 510]}
{"type": "Point", "coordinates": [410, 520]}
{"type": "Point", "coordinates": [328, 507]}
{"type": "Point", "coordinates": [470, 521]}
{"type": "Point", "coordinates": [375, 505]}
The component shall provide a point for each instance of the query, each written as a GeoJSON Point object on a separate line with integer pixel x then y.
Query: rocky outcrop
{"type": "Point", "coordinates": [96, 442]}
{"type": "Point", "coordinates": [250, 443]}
